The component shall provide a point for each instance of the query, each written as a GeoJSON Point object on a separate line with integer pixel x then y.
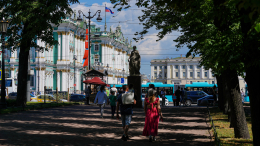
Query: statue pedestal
{"type": "Point", "coordinates": [137, 82]}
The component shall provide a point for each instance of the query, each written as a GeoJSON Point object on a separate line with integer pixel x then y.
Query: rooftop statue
{"type": "Point", "coordinates": [134, 62]}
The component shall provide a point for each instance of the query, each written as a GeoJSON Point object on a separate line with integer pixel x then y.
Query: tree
{"type": "Point", "coordinates": [33, 18]}
{"type": "Point", "coordinates": [204, 33]}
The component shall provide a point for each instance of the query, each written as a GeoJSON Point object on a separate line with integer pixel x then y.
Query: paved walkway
{"type": "Point", "coordinates": [82, 125]}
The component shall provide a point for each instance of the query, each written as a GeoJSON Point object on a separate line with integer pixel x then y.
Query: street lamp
{"type": "Point", "coordinates": [79, 19]}
{"type": "Point", "coordinates": [107, 73]}
{"type": "Point", "coordinates": [3, 29]}
{"type": "Point", "coordinates": [38, 51]}
{"type": "Point", "coordinates": [75, 58]}
{"type": "Point", "coordinates": [123, 75]}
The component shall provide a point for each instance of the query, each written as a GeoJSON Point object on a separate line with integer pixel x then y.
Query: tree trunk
{"type": "Point", "coordinates": [220, 92]}
{"type": "Point", "coordinates": [252, 78]}
{"type": "Point", "coordinates": [225, 91]}
{"type": "Point", "coordinates": [23, 70]}
{"type": "Point", "coordinates": [237, 110]}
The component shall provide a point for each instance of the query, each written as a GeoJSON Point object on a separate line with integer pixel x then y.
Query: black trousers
{"type": "Point", "coordinates": [87, 99]}
{"type": "Point", "coordinates": [113, 110]}
{"type": "Point", "coordinates": [174, 102]}
{"type": "Point", "coordinates": [177, 101]}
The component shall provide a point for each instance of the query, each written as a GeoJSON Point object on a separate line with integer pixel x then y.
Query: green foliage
{"type": "Point", "coordinates": [38, 16]}
{"type": "Point", "coordinates": [10, 102]}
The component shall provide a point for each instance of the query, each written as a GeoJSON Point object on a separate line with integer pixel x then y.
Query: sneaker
{"type": "Point", "coordinates": [127, 137]}
{"type": "Point", "coordinates": [124, 138]}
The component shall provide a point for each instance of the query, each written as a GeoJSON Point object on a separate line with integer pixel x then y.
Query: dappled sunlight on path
{"type": "Point", "coordinates": [82, 125]}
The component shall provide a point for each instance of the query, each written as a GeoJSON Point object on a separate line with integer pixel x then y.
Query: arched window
{"type": "Point", "coordinates": [96, 48]}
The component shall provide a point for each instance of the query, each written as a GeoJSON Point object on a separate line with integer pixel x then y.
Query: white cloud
{"type": "Point", "coordinates": [128, 19]}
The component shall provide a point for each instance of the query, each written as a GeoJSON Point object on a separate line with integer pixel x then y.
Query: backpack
{"type": "Point", "coordinates": [128, 98]}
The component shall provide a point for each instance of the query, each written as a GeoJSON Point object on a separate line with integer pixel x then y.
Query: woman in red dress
{"type": "Point", "coordinates": [152, 113]}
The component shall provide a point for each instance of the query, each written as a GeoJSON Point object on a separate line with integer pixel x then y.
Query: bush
{"type": "Point", "coordinates": [10, 102]}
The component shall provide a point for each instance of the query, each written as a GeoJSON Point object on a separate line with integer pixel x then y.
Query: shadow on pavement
{"type": "Point", "coordinates": [82, 125]}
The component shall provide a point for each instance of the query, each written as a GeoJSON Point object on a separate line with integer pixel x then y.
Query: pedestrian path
{"type": "Point", "coordinates": [82, 125]}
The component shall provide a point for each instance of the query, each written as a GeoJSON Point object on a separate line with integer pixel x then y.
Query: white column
{"type": "Point", "coordinates": [64, 81]}
{"type": "Point", "coordinates": [63, 47]}
{"type": "Point", "coordinates": [152, 72]}
{"type": "Point", "coordinates": [163, 75]}
{"type": "Point", "coordinates": [66, 47]}
{"type": "Point", "coordinates": [58, 80]}
{"type": "Point", "coordinates": [173, 71]}
{"type": "Point", "coordinates": [102, 54]}
{"type": "Point", "coordinates": [202, 72]}
{"type": "Point", "coordinates": [168, 71]}
{"type": "Point", "coordinates": [209, 73]}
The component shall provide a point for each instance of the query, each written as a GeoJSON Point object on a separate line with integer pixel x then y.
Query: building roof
{"type": "Point", "coordinates": [177, 58]}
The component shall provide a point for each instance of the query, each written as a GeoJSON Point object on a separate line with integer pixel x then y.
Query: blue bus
{"type": "Point", "coordinates": [169, 88]}
{"type": "Point", "coordinates": [201, 86]}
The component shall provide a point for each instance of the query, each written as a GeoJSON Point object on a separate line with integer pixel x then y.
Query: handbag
{"type": "Point", "coordinates": [128, 98]}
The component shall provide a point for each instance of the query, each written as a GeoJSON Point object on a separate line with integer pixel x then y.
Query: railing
{"type": "Point", "coordinates": [217, 141]}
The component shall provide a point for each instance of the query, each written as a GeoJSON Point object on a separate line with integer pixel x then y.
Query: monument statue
{"type": "Point", "coordinates": [134, 62]}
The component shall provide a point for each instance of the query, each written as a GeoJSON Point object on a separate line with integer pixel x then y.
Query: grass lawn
{"type": "Point", "coordinates": [226, 134]}
{"type": "Point", "coordinates": [35, 105]}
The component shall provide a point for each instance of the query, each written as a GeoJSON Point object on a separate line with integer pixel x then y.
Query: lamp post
{"type": "Point", "coordinates": [107, 73]}
{"type": "Point", "coordinates": [123, 75]}
{"type": "Point", "coordinates": [38, 51]}
{"type": "Point", "coordinates": [79, 19]}
{"type": "Point", "coordinates": [75, 58]}
{"type": "Point", "coordinates": [3, 29]}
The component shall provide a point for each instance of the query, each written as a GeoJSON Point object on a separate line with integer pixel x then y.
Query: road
{"type": "Point", "coordinates": [82, 125]}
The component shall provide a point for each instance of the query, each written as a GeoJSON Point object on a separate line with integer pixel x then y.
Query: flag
{"type": "Point", "coordinates": [85, 57]}
{"type": "Point", "coordinates": [109, 10]}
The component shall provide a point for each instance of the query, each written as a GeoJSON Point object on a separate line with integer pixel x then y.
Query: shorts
{"type": "Point", "coordinates": [126, 119]}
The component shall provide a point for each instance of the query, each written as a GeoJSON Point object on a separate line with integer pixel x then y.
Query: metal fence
{"type": "Point", "coordinates": [217, 141]}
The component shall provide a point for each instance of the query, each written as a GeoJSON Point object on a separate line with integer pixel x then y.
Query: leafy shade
{"type": "Point", "coordinates": [38, 15]}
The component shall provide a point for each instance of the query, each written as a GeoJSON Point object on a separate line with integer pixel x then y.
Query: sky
{"type": "Point", "coordinates": [128, 20]}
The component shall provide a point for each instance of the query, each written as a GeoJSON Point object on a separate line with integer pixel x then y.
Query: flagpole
{"type": "Point", "coordinates": [105, 18]}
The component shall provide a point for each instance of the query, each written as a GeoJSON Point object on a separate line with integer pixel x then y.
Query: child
{"type": "Point", "coordinates": [112, 99]}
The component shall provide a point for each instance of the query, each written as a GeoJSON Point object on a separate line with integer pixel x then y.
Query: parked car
{"type": "Point", "coordinates": [204, 101]}
{"type": "Point", "coordinates": [40, 98]}
{"type": "Point", "coordinates": [77, 97]}
{"type": "Point", "coordinates": [13, 95]}
{"type": "Point", "coordinates": [193, 96]}
{"type": "Point", "coordinates": [166, 100]}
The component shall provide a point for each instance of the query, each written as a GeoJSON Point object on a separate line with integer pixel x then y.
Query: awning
{"type": "Point", "coordinates": [95, 80]}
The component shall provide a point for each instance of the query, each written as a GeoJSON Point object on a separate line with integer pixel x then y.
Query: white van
{"type": "Point", "coordinates": [11, 85]}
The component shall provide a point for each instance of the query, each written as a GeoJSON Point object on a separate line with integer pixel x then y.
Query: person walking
{"type": "Point", "coordinates": [112, 99]}
{"type": "Point", "coordinates": [163, 97]}
{"type": "Point", "coordinates": [174, 99]}
{"type": "Point", "coordinates": [113, 89]}
{"type": "Point", "coordinates": [101, 97]}
{"type": "Point", "coordinates": [107, 92]}
{"type": "Point", "coordinates": [152, 111]}
{"type": "Point", "coordinates": [126, 113]}
{"type": "Point", "coordinates": [87, 93]}
{"type": "Point", "coordinates": [178, 94]}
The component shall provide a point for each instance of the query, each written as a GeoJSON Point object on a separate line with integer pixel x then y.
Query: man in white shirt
{"type": "Point", "coordinates": [114, 89]}
{"type": "Point", "coordinates": [102, 98]}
